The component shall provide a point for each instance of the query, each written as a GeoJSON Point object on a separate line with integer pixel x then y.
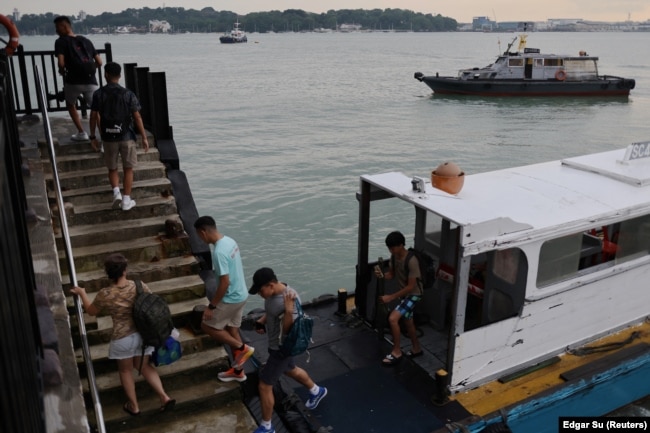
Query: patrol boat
{"type": "Point", "coordinates": [540, 302]}
{"type": "Point", "coordinates": [528, 72]}
{"type": "Point", "coordinates": [235, 36]}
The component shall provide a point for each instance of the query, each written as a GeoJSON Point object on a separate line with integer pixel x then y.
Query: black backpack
{"type": "Point", "coordinates": [152, 318]}
{"type": "Point", "coordinates": [82, 63]}
{"type": "Point", "coordinates": [425, 264]}
{"type": "Point", "coordinates": [114, 113]}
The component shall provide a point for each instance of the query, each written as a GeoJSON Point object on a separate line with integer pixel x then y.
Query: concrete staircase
{"type": "Point", "coordinates": [164, 261]}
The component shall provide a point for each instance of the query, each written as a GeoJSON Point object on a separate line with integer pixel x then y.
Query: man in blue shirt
{"type": "Point", "coordinates": [222, 318]}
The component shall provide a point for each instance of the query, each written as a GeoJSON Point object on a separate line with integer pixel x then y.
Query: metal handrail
{"type": "Point", "coordinates": [92, 383]}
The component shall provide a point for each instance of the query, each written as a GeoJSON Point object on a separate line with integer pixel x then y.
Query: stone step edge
{"type": "Point", "coordinates": [208, 394]}
{"type": "Point", "coordinates": [135, 268]}
{"type": "Point", "coordinates": [169, 285]}
{"type": "Point", "coordinates": [106, 190]}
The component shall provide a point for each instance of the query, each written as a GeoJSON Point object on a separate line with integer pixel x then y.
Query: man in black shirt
{"type": "Point", "coordinates": [77, 60]}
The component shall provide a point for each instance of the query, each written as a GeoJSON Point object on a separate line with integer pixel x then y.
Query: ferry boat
{"type": "Point", "coordinates": [540, 295]}
{"type": "Point", "coordinates": [528, 72]}
{"type": "Point", "coordinates": [235, 36]}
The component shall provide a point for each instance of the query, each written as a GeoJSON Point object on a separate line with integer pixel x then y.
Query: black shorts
{"type": "Point", "coordinates": [276, 366]}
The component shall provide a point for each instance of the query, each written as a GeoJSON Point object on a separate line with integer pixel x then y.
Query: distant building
{"type": "Point", "coordinates": [16, 15]}
{"type": "Point", "coordinates": [483, 24]}
{"type": "Point", "coordinates": [82, 15]}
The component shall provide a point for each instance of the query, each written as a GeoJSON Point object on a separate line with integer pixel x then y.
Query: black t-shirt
{"type": "Point", "coordinates": [74, 75]}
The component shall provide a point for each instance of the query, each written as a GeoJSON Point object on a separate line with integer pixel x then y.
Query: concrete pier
{"type": "Point", "coordinates": [163, 260]}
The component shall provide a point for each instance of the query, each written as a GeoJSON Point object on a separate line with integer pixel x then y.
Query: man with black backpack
{"type": "Point", "coordinates": [115, 109]}
{"type": "Point", "coordinates": [78, 62]}
{"type": "Point", "coordinates": [405, 267]}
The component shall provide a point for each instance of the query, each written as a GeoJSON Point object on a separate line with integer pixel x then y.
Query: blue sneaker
{"type": "Point", "coordinates": [261, 429]}
{"type": "Point", "coordinates": [315, 399]}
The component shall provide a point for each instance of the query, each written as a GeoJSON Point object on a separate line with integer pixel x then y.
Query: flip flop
{"type": "Point", "coordinates": [168, 406]}
{"type": "Point", "coordinates": [127, 409]}
{"type": "Point", "coordinates": [390, 360]}
{"type": "Point", "coordinates": [412, 354]}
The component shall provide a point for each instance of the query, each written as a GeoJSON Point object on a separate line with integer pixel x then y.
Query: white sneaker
{"type": "Point", "coordinates": [117, 200]}
{"type": "Point", "coordinates": [80, 136]}
{"type": "Point", "coordinates": [128, 204]}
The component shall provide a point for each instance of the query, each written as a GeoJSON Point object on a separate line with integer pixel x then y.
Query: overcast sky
{"type": "Point", "coordinates": [460, 10]}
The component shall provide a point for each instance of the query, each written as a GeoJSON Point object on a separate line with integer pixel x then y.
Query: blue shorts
{"type": "Point", "coordinates": [276, 366]}
{"type": "Point", "coordinates": [405, 308]}
{"type": "Point", "coordinates": [127, 347]}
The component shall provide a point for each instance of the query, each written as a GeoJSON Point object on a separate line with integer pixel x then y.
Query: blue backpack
{"type": "Point", "coordinates": [299, 337]}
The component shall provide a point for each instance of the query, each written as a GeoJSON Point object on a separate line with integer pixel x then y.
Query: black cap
{"type": "Point", "coordinates": [262, 277]}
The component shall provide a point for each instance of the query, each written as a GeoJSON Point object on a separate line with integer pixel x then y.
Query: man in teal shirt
{"type": "Point", "coordinates": [222, 317]}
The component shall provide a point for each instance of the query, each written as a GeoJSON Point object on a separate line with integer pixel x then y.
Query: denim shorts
{"type": "Point", "coordinates": [127, 347]}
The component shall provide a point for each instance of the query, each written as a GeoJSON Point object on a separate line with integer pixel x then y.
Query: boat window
{"type": "Point", "coordinates": [497, 287]}
{"type": "Point", "coordinates": [552, 62]}
{"type": "Point", "coordinates": [558, 259]}
{"type": "Point", "coordinates": [516, 62]}
{"type": "Point", "coordinates": [632, 240]}
{"type": "Point", "coordinates": [539, 62]}
{"type": "Point", "coordinates": [591, 250]}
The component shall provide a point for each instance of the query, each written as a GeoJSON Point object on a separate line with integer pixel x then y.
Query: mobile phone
{"type": "Point", "coordinates": [378, 272]}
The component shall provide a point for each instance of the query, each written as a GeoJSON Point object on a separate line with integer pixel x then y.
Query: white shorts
{"type": "Point", "coordinates": [127, 347]}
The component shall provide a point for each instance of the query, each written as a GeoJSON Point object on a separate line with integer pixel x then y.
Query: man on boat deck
{"type": "Point", "coordinates": [410, 292]}
{"type": "Point", "coordinates": [222, 318]}
{"type": "Point", "coordinates": [279, 307]}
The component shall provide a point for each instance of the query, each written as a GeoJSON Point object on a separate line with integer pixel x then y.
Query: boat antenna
{"type": "Point", "coordinates": [507, 51]}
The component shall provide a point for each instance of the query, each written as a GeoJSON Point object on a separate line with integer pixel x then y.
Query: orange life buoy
{"type": "Point", "coordinates": [13, 35]}
{"type": "Point", "coordinates": [560, 75]}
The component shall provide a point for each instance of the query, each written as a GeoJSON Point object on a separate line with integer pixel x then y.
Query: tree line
{"type": "Point", "coordinates": [208, 20]}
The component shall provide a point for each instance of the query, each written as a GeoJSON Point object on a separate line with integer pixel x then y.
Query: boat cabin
{"type": "Point", "coordinates": [533, 65]}
{"type": "Point", "coordinates": [525, 262]}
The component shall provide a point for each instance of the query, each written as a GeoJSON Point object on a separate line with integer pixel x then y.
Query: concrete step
{"type": "Point", "coordinates": [148, 249]}
{"type": "Point", "coordinates": [100, 328]}
{"type": "Point", "coordinates": [190, 343]}
{"type": "Point", "coordinates": [228, 417]}
{"type": "Point", "coordinates": [99, 176]}
{"type": "Point", "coordinates": [65, 145]}
{"type": "Point", "coordinates": [104, 213]}
{"type": "Point", "coordinates": [179, 289]}
{"type": "Point", "coordinates": [165, 268]}
{"type": "Point", "coordinates": [89, 160]}
{"type": "Point", "coordinates": [93, 234]}
{"type": "Point", "coordinates": [158, 187]}
{"type": "Point", "coordinates": [191, 381]}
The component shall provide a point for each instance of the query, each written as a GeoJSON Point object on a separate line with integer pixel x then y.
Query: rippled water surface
{"type": "Point", "coordinates": [274, 134]}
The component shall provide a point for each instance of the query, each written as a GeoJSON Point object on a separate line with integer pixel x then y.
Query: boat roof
{"type": "Point", "coordinates": [518, 204]}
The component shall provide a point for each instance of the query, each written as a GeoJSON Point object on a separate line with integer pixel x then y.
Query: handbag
{"type": "Point", "coordinates": [168, 353]}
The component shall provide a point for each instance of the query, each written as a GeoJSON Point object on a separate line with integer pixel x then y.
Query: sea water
{"type": "Point", "coordinates": [274, 134]}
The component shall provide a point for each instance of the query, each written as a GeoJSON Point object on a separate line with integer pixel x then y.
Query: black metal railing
{"type": "Point", "coordinates": [22, 353]}
{"type": "Point", "coordinates": [22, 64]}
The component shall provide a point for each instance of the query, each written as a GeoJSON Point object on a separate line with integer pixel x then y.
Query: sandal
{"type": "Point", "coordinates": [412, 354]}
{"type": "Point", "coordinates": [168, 406]}
{"type": "Point", "coordinates": [390, 360]}
{"type": "Point", "coordinates": [127, 409]}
